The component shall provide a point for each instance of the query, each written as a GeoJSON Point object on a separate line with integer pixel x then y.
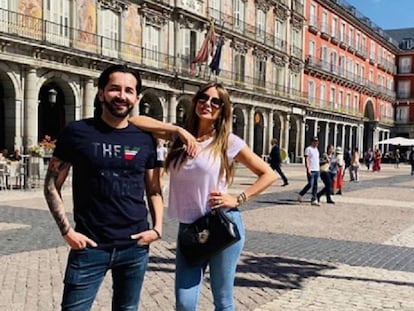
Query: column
{"type": "Point", "coordinates": [302, 141]}
{"type": "Point", "coordinates": [335, 142]}
{"type": "Point", "coordinates": [88, 99]}
{"type": "Point", "coordinates": [172, 108]}
{"type": "Point", "coordinates": [30, 110]}
{"type": "Point", "coordinates": [326, 134]}
{"type": "Point", "coordinates": [286, 133]}
{"type": "Point", "coordinates": [250, 127]}
{"type": "Point", "coordinates": [343, 136]}
{"type": "Point", "coordinates": [269, 132]}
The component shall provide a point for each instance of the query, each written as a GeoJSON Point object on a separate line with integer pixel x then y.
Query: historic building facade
{"type": "Point", "coordinates": [349, 76]}
{"type": "Point", "coordinates": [276, 58]}
{"type": "Point", "coordinates": [61, 46]}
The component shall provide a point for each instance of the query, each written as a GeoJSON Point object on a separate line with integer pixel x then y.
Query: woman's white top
{"type": "Point", "coordinates": [191, 183]}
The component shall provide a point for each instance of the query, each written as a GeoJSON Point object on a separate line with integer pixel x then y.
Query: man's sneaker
{"type": "Point", "coordinates": [300, 198]}
{"type": "Point", "coordinates": [316, 203]}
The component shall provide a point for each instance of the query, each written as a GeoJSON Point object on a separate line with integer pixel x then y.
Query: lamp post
{"type": "Point", "coordinates": [145, 109]}
{"type": "Point", "coordinates": [51, 95]}
{"type": "Point", "coordinates": [180, 115]}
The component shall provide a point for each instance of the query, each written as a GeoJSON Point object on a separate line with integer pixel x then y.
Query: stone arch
{"type": "Point", "coordinates": [277, 126]}
{"type": "Point", "coordinates": [369, 126]}
{"type": "Point", "coordinates": [294, 132]}
{"type": "Point", "coordinates": [53, 117]}
{"type": "Point", "coordinates": [183, 109]}
{"type": "Point", "coordinates": [238, 122]}
{"type": "Point", "coordinates": [258, 132]}
{"type": "Point", "coordinates": [10, 110]}
{"type": "Point", "coordinates": [151, 105]}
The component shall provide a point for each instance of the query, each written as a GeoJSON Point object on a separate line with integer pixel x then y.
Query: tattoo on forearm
{"type": "Point", "coordinates": [56, 175]}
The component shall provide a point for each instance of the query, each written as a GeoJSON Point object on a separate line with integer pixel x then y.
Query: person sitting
{"type": "Point", "coordinates": [15, 156]}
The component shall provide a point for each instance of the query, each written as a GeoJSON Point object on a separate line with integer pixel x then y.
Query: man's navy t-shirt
{"type": "Point", "coordinates": [108, 179]}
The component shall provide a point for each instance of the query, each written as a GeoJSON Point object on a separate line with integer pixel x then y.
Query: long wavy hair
{"type": "Point", "coordinates": [222, 126]}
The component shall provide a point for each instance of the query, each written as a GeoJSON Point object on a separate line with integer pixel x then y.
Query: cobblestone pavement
{"type": "Point", "coordinates": [355, 255]}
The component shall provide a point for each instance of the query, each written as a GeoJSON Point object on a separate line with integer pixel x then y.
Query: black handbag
{"type": "Point", "coordinates": [207, 236]}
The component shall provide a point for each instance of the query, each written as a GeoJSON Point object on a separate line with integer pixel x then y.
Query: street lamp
{"type": "Point", "coordinates": [145, 109]}
{"type": "Point", "coordinates": [180, 115]}
{"type": "Point", "coordinates": [51, 95]}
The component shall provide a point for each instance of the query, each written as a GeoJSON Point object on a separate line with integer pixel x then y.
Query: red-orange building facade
{"type": "Point", "coordinates": [349, 72]}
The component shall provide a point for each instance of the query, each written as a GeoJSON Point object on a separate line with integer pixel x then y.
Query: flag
{"type": "Point", "coordinates": [215, 62]}
{"type": "Point", "coordinates": [206, 48]}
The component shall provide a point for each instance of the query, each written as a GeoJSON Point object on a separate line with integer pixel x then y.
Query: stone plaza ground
{"type": "Point", "coordinates": [355, 255]}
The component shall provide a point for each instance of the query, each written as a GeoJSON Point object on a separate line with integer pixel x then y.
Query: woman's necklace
{"type": "Point", "coordinates": [206, 136]}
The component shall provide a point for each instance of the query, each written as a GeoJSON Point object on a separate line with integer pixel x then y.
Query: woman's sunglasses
{"type": "Point", "coordinates": [215, 102]}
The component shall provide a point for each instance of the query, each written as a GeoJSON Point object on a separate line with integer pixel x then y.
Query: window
{"type": "Point", "coordinates": [313, 18]}
{"type": "Point", "coordinates": [260, 72]}
{"type": "Point", "coordinates": [340, 99]}
{"type": "Point", "coordinates": [108, 29]}
{"type": "Point", "coordinates": [358, 41]}
{"type": "Point", "coordinates": [342, 65]}
{"type": "Point", "coordinates": [343, 34]}
{"type": "Point", "coordinates": [279, 34]}
{"type": "Point", "coordinates": [189, 46]}
{"type": "Point", "coordinates": [324, 57]}
{"type": "Point", "coordinates": [260, 24]}
{"type": "Point", "coordinates": [279, 76]}
{"type": "Point", "coordinates": [355, 104]}
{"type": "Point", "coordinates": [215, 9]}
{"type": "Point", "coordinates": [322, 93]}
{"type": "Point", "coordinates": [371, 75]}
{"type": "Point", "coordinates": [238, 14]}
{"type": "Point", "coordinates": [324, 22]}
{"type": "Point", "coordinates": [404, 64]}
{"type": "Point", "coordinates": [239, 67]}
{"type": "Point", "coordinates": [311, 91]}
{"type": "Point", "coordinates": [372, 54]}
{"type": "Point", "coordinates": [407, 44]}
{"type": "Point", "coordinates": [152, 37]}
{"type": "Point", "coordinates": [403, 89]}
{"type": "Point", "coordinates": [351, 37]}
{"type": "Point", "coordinates": [348, 101]}
{"type": "Point", "coordinates": [333, 62]}
{"type": "Point", "coordinates": [312, 50]}
{"type": "Point", "coordinates": [401, 114]}
{"type": "Point", "coordinates": [334, 26]}
{"type": "Point", "coordinates": [332, 97]}
{"type": "Point", "coordinates": [57, 22]}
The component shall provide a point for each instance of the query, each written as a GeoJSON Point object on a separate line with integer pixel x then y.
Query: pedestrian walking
{"type": "Point", "coordinates": [113, 164]}
{"type": "Point", "coordinates": [328, 170]}
{"type": "Point", "coordinates": [338, 183]}
{"type": "Point", "coordinates": [411, 160]}
{"type": "Point", "coordinates": [312, 171]}
{"type": "Point", "coordinates": [275, 161]}
{"type": "Point", "coordinates": [354, 168]}
{"type": "Point", "coordinates": [377, 161]}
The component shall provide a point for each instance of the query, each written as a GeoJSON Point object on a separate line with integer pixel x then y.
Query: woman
{"type": "Point", "coordinates": [200, 183]}
{"type": "Point", "coordinates": [338, 183]}
{"type": "Point", "coordinates": [377, 161]}
{"type": "Point", "coordinates": [328, 174]}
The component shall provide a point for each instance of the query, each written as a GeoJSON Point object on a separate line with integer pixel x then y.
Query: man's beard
{"type": "Point", "coordinates": [112, 108]}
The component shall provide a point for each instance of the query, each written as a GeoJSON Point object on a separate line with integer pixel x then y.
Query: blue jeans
{"type": "Point", "coordinates": [86, 270]}
{"type": "Point", "coordinates": [188, 279]}
{"type": "Point", "coordinates": [312, 183]}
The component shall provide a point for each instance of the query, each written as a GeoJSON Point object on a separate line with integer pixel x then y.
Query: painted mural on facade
{"type": "Point", "coordinates": [87, 25]}
{"type": "Point", "coordinates": [133, 37]}
{"type": "Point", "coordinates": [30, 21]}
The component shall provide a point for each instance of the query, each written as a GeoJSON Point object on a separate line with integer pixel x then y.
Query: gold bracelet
{"type": "Point", "coordinates": [241, 198]}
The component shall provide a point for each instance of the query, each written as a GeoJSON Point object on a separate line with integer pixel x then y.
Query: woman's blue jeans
{"type": "Point", "coordinates": [188, 279]}
{"type": "Point", "coordinates": [86, 270]}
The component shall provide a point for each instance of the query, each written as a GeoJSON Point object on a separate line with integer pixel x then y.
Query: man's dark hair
{"type": "Point", "coordinates": [104, 77]}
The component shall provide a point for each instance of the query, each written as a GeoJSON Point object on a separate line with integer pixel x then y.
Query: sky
{"type": "Point", "coordinates": [387, 14]}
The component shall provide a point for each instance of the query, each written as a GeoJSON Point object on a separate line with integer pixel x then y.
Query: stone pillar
{"type": "Point", "coordinates": [286, 133]}
{"type": "Point", "coordinates": [30, 110]}
{"type": "Point", "coordinates": [343, 136]}
{"type": "Point", "coordinates": [172, 108]}
{"type": "Point", "coordinates": [250, 127]}
{"type": "Point", "coordinates": [88, 99]}
{"type": "Point", "coordinates": [302, 141]}
{"type": "Point", "coordinates": [335, 142]}
{"type": "Point", "coordinates": [326, 134]}
{"type": "Point", "coordinates": [269, 132]}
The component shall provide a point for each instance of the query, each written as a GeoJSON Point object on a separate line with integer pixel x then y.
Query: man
{"type": "Point", "coordinates": [312, 171]}
{"type": "Point", "coordinates": [275, 161]}
{"type": "Point", "coordinates": [411, 160]}
{"type": "Point", "coordinates": [113, 164]}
